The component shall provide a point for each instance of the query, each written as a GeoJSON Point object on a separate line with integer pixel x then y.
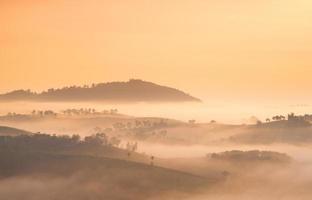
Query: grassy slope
{"type": "Point", "coordinates": [5, 130]}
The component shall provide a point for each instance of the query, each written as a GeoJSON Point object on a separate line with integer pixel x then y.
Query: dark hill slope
{"type": "Point", "coordinates": [9, 131]}
{"type": "Point", "coordinates": [86, 177]}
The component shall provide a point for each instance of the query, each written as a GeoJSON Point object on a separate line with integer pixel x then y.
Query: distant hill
{"type": "Point", "coordinates": [132, 91]}
{"type": "Point", "coordinates": [253, 155]}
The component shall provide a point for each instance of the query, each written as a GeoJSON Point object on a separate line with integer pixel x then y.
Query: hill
{"type": "Point", "coordinates": [87, 177]}
{"type": "Point", "coordinates": [132, 91]}
{"type": "Point", "coordinates": [253, 155]}
{"type": "Point", "coordinates": [284, 131]}
{"type": "Point", "coordinates": [85, 169]}
{"type": "Point", "coordinates": [9, 131]}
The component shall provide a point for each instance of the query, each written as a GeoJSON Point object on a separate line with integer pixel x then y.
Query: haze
{"type": "Point", "coordinates": [149, 100]}
{"type": "Point", "coordinates": [222, 50]}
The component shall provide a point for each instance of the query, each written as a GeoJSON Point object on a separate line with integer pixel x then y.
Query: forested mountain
{"type": "Point", "coordinates": [132, 91]}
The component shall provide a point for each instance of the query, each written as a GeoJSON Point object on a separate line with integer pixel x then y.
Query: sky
{"type": "Point", "coordinates": [242, 49]}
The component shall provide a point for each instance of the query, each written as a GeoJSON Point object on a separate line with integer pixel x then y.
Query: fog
{"type": "Point", "coordinates": [221, 111]}
{"type": "Point", "coordinates": [300, 153]}
{"type": "Point", "coordinates": [288, 183]}
{"type": "Point", "coordinates": [78, 186]}
{"type": "Point", "coordinates": [172, 160]}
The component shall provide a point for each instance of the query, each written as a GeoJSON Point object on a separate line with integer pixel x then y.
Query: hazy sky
{"type": "Point", "coordinates": [217, 48]}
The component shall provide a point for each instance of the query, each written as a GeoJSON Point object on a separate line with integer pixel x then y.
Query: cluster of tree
{"type": "Point", "coordinates": [46, 142]}
{"type": "Point", "coordinates": [291, 118]}
{"type": "Point", "coordinates": [14, 116]}
{"type": "Point", "coordinates": [308, 117]}
{"type": "Point", "coordinates": [50, 113]}
{"type": "Point", "coordinates": [192, 121]}
{"type": "Point", "coordinates": [276, 118]}
{"type": "Point", "coordinates": [142, 128]}
{"type": "Point", "coordinates": [43, 113]}
{"type": "Point", "coordinates": [102, 139]}
{"type": "Point", "coordinates": [162, 133]}
{"type": "Point", "coordinates": [51, 90]}
{"type": "Point", "coordinates": [140, 124]}
{"type": "Point", "coordinates": [34, 113]}
{"type": "Point", "coordinates": [88, 111]}
{"type": "Point", "coordinates": [132, 146]}
{"type": "Point", "coordinates": [254, 155]}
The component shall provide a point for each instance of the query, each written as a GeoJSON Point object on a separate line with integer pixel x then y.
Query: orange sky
{"type": "Point", "coordinates": [217, 48]}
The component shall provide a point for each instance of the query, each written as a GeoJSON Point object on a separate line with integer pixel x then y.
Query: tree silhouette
{"type": "Point", "coordinates": [152, 160]}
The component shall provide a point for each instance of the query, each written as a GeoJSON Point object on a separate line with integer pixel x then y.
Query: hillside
{"type": "Point", "coordinates": [284, 131]}
{"type": "Point", "coordinates": [87, 177]}
{"type": "Point", "coordinates": [86, 169]}
{"type": "Point", "coordinates": [9, 131]}
{"type": "Point", "coordinates": [131, 91]}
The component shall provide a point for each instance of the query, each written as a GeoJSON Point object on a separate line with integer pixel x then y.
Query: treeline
{"type": "Point", "coordinates": [88, 111]}
{"type": "Point", "coordinates": [140, 124]}
{"type": "Point", "coordinates": [51, 113]}
{"type": "Point", "coordinates": [291, 117]}
{"type": "Point", "coordinates": [142, 129]}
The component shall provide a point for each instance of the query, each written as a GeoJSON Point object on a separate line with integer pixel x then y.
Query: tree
{"type": "Point", "coordinates": [75, 138]}
{"type": "Point", "coordinates": [50, 90]}
{"type": "Point", "coordinates": [291, 116]}
{"type": "Point", "coordinates": [97, 139]}
{"type": "Point", "coordinates": [163, 133]}
{"type": "Point", "coordinates": [114, 141]}
{"type": "Point", "coordinates": [40, 113]}
{"type": "Point", "coordinates": [129, 125]}
{"type": "Point", "coordinates": [49, 113]}
{"type": "Point", "coordinates": [192, 121]}
{"type": "Point", "coordinates": [132, 147]}
{"type": "Point", "coordinates": [276, 118]}
{"type": "Point", "coordinates": [137, 123]}
{"type": "Point", "coordinates": [152, 160]}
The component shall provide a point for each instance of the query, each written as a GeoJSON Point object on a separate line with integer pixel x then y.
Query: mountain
{"type": "Point", "coordinates": [134, 90]}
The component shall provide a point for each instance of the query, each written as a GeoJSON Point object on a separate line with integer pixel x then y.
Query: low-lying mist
{"type": "Point", "coordinates": [172, 159]}
{"type": "Point", "coordinates": [287, 183]}
{"type": "Point", "coordinates": [234, 113]}
{"type": "Point", "coordinates": [300, 153]}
